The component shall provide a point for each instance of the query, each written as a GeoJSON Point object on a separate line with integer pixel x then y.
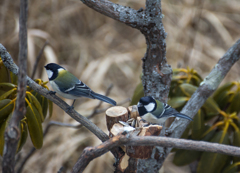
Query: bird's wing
{"type": "Point", "coordinates": [168, 111]}
{"type": "Point", "coordinates": [81, 89]}
{"type": "Point", "coordinates": [70, 84]}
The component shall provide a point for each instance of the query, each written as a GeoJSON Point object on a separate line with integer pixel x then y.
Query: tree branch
{"type": "Point", "coordinates": [32, 151]}
{"type": "Point", "coordinates": [91, 153]}
{"type": "Point", "coordinates": [157, 73]}
{"type": "Point", "coordinates": [38, 58]}
{"type": "Point", "coordinates": [12, 133]}
{"type": "Point", "coordinates": [118, 12]}
{"type": "Point", "coordinates": [8, 62]}
{"type": "Point", "coordinates": [206, 88]}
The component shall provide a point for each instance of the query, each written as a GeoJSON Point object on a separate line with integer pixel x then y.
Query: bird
{"type": "Point", "coordinates": [156, 112]}
{"type": "Point", "coordinates": [69, 86]}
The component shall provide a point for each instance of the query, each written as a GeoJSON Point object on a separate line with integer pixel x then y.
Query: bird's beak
{"type": "Point", "coordinates": [139, 105]}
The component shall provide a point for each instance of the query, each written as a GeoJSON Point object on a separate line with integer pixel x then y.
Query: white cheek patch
{"type": "Point", "coordinates": [149, 107]}
{"type": "Point", "coordinates": [49, 73]}
{"type": "Point", "coordinates": [60, 69]}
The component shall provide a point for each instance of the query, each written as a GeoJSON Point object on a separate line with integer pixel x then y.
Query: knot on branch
{"type": "Point", "coordinates": [13, 132]}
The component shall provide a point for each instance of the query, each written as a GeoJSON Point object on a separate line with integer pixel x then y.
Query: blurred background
{"type": "Point", "coordinates": [101, 52]}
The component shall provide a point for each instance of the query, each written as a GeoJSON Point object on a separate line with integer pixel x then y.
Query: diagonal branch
{"type": "Point", "coordinates": [91, 153]}
{"type": "Point", "coordinates": [206, 88]}
{"type": "Point", "coordinates": [8, 62]}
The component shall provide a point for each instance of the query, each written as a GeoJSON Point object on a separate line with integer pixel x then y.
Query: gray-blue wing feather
{"type": "Point", "coordinates": [81, 90]}
{"type": "Point", "coordinates": [169, 111]}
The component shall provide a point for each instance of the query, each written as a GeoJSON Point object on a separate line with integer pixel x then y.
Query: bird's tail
{"type": "Point", "coordinates": [183, 116]}
{"type": "Point", "coordinates": [103, 98]}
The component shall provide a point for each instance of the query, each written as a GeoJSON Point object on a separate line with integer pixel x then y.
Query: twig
{"type": "Point", "coordinates": [12, 133]}
{"type": "Point", "coordinates": [91, 153]}
{"type": "Point", "coordinates": [61, 170]}
{"type": "Point", "coordinates": [8, 62]}
{"type": "Point", "coordinates": [118, 104]}
{"type": "Point", "coordinates": [38, 58]}
{"type": "Point", "coordinates": [100, 103]}
{"type": "Point", "coordinates": [32, 151]}
{"type": "Point", "coordinates": [157, 73]}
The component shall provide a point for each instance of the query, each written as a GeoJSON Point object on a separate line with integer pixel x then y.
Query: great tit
{"type": "Point", "coordinates": [69, 86]}
{"type": "Point", "coordinates": [156, 112]}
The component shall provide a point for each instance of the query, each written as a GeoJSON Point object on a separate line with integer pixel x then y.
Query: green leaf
{"type": "Point", "coordinates": [231, 168]}
{"type": "Point", "coordinates": [138, 93]}
{"type": "Point", "coordinates": [236, 142]}
{"type": "Point", "coordinates": [38, 106]}
{"type": "Point", "coordinates": [50, 107]}
{"type": "Point", "coordinates": [7, 86]}
{"type": "Point", "coordinates": [197, 79]}
{"type": "Point", "coordinates": [198, 125]}
{"type": "Point", "coordinates": [6, 107]}
{"type": "Point", "coordinates": [211, 106]}
{"type": "Point", "coordinates": [177, 101]}
{"type": "Point", "coordinates": [4, 76]}
{"type": "Point", "coordinates": [34, 126]}
{"type": "Point", "coordinates": [43, 101]}
{"type": "Point", "coordinates": [5, 95]}
{"type": "Point", "coordinates": [234, 105]}
{"type": "Point", "coordinates": [3, 126]}
{"type": "Point", "coordinates": [14, 78]}
{"type": "Point", "coordinates": [210, 135]}
{"type": "Point", "coordinates": [24, 135]}
{"type": "Point", "coordinates": [188, 89]}
{"type": "Point", "coordinates": [44, 106]}
{"type": "Point", "coordinates": [186, 132]}
{"type": "Point", "coordinates": [185, 157]}
{"type": "Point", "coordinates": [214, 162]}
{"type": "Point", "coordinates": [223, 89]}
{"type": "Point", "coordinates": [221, 95]}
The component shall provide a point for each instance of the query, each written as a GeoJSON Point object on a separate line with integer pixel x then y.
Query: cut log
{"type": "Point", "coordinates": [116, 114]}
{"type": "Point", "coordinates": [144, 152]}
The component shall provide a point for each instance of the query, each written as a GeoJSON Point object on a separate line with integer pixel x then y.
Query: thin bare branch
{"type": "Point", "coordinates": [51, 123]}
{"type": "Point", "coordinates": [37, 59]}
{"type": "Point", "coordinates": [91, 153]}
{"type": "Point", "coordinates": [100, 103]}
{"type": "Point", "coordinates": [32, 151]}
{"type": "Point", "coordinates": [8, 62]}
{"type": "Point", "coordinates": [12, 133]}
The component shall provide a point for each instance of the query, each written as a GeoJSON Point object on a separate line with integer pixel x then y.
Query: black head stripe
{"type": "Point", "coordinates": [53, 66]}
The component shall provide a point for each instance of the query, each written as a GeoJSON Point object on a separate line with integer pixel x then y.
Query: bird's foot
{"type": "Point", "coordinates": [52, 92]}
{"type": "Point", "coordinates": [70, 108]}
{"type": "Point", "coordinates": [168, 131]}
